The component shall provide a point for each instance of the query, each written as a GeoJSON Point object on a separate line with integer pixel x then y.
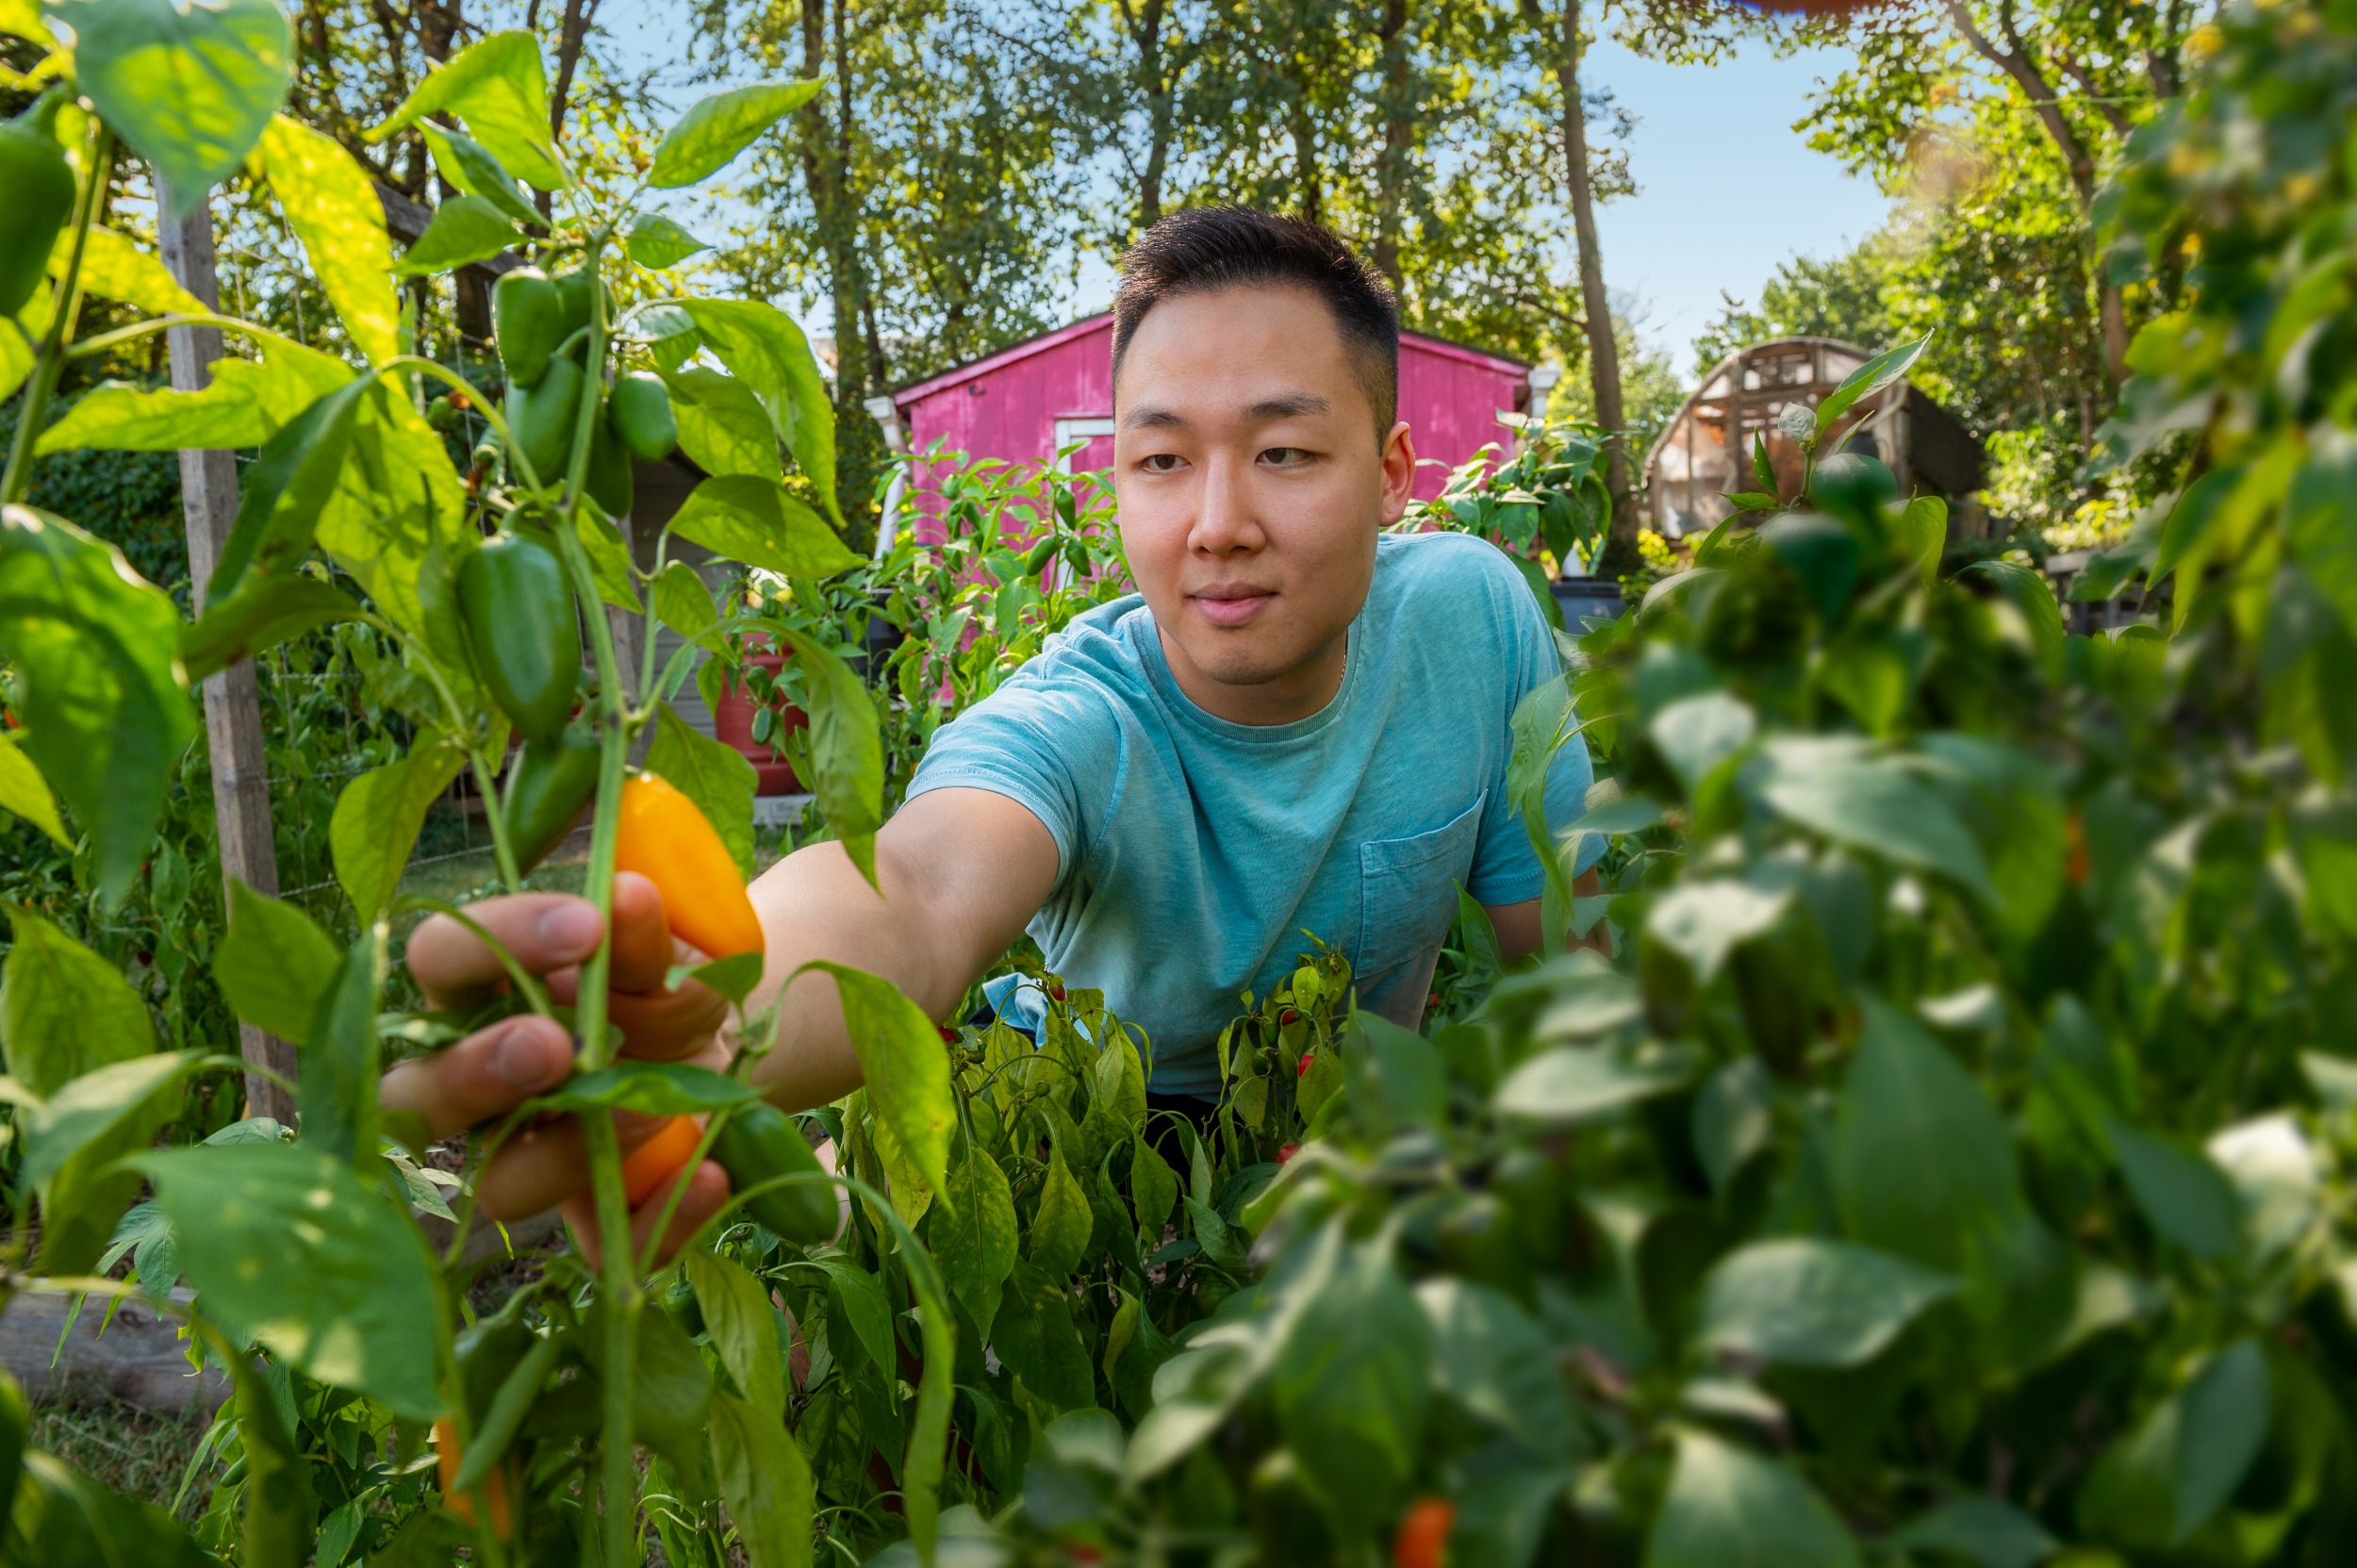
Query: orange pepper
{"type": "Point", "coordinates": [446, 1459]}
{"type": "Point", "coordinates": [664, 838]}
{"type": "Point", "coordinates": [650, 1166]}
{"type": "Point", "coordinates": [1423, 1538]}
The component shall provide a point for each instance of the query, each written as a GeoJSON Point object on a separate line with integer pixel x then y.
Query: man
{"type": "Point", "coordinates": [1299, 723]}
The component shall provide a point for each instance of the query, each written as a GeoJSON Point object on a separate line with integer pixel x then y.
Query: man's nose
{"type": "Point", "coordinates": [1225, 519]}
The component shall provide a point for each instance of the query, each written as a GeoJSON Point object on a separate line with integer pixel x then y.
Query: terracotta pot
{"type": "Point", "coordinates": [732, 725]}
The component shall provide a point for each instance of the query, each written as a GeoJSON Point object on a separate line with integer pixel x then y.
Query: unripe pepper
{"type": "Point", "coordinates": [639, 409]}
{"type": "Point", "coordinates": [519, 615]}
{"type": "Point", "coordinates": [541, 418]}
{"type": "Point", "coordinates": [761, 1142]}
{"type": "Point", "coordinates": [607, 479]}
{"type": "Point", "coordinates": [1041, 553]}
{"type": "Point", "coordinates": [573, 298]}
{"type": "Point", "coordinates": [548, 785]}
{"type": "Point", "coordinates": [37, 188]}
{"type": "Point", "coordinates": [527, 315]}
{"type": "Point", "coordinates": [663, 837]}
{"type": "Point", "coordinates": [650, 1167]}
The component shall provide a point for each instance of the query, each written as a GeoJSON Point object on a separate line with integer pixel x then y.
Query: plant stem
{"type": "Point", "coordinates": [98, 156]}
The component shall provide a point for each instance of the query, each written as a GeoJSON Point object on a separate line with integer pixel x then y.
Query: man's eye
{"type": "Point", "coordinates": [1160, 462]}
{"type": "Point", "coordinates": [1284, 456]}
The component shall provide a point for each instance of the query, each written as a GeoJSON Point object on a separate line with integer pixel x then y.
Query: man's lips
{"type": "Point", "coordinates": [1232, 604]}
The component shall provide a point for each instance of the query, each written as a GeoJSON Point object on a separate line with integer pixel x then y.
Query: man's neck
{"type": "Point", "coordinates": [1299, 693]}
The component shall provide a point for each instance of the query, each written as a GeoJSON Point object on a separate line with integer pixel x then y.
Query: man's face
{"type": "Point", "coordinates": [1252, 484]}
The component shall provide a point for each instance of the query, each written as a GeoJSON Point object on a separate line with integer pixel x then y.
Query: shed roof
{"type": "Point", "coordinates": [958, 376]}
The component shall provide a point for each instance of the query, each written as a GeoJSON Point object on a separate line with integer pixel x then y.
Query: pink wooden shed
{"type": "Point", "coordinates": [1044, 393]}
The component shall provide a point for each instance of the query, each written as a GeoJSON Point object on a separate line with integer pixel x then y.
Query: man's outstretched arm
{"type": "Point", "coordinates": [962, 871]}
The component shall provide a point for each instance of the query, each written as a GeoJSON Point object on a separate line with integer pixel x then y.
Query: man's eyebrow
{"type": "Point", "coordinates": [1151, 418]}
{"type": "Point", "coordinates": [1290, 405]}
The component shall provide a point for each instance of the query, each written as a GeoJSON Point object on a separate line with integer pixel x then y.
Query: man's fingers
{"type": "Point", "coordinates": [488, 1074]}
{"type": "Point", "coordinates": [643, 949]}
{"type": "Point", "coordinates": [707, 1194]}
{"type": "Point", "coordinates": [541, 930]}
{"type": "Point", "coordinates": [541, 1167]}
{"type": "Point", "coordinates": [656, 1025]}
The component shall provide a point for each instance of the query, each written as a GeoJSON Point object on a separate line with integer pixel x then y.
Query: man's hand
{"type": "Point", "coordinates": [492, 1071]}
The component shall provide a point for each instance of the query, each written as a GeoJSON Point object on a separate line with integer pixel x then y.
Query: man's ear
{"type": "Point", "coordinates": [1399, 472]}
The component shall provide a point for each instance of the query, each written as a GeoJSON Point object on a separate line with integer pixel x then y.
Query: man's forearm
{"type": "Point", "coordinates": [960, 872]}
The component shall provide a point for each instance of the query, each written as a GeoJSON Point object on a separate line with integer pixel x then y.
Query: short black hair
{"type": "Point", "coordinates": [1208, 248]}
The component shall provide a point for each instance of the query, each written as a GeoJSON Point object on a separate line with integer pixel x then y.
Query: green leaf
{"type": "Point", "coordinates": [865, 1309]}
{"type": "Point", "coordinates": [716, 777]}
{"type": "Point", "coordinates": [103, 699]}
{"type": "Point", "coordinates": [649, 1088]}
{"type": "Point", "coordinates": [1982, 1530]}
{"type": "Point", "coordinates": [757, 521]}
{"type": "Point", "coordinates": [2184, 1195]}
{"type": "Point", "coordinates": [1695, 735]}
{"type": "Point", "coordinates": [64, 1010]}
{"type": "Point", "coordinates": [275, 966]}
{"type": "Point", "coordinates": [477, 172]}
{"type": "Point", "coordinates": [1490, 1357]}
{"type": "Point", "coordinates": [1920, 1160]}
{"type": "Point", "coordinates": [684, 605]}
{"type": "Point", "coordinates": [395, 495]}
{"type": "Point", "coordinates": [1397, 1078]}
{"type": "Point", "coordinates": [263, 614]}
{"type": "Point", "coordinates": [247, 403]}
{"type": "Point", "coordinates": [609, 561]}
{"type": "Point", "coordinates": [1920, 533]}
{"type": "Point", "coordinates": [722, 425]}
{"type": "Point", "coordinates": [377, 821]}
{"type": "Point", "coordinates": [2320, 517]}
{"type": "Point", "coordinates": [2030, 595]}
{"type": "Point", "coordinates": [63, 1518]}
{"type": "Point", "coordinates": [1729, 1509]}
{"type": "Point", "coordinates": [743, 1326]}
{"type": "Point", "coordinates": [659, 242]}
{"type": "Point", "coordinates": [1572, 1084]}
{"type": "Point", "coordinates": [845, 744]}
{"type": "Point", "coordinates": [1704, 921]}
{"type": "Point", "coordinates": [281, 1509]}
{"type": "Point", "coordinates": [1153, 1188]}
{"type": "Point", "coordinates": [903, 1062]}
{"type": "Point", "coordinates": [766, 1482]}
{"type": "Point", "coordinates": [717, 127]}
{"type": "Point", "coordinates": [733, 977]}
{"type": "Point", "coordinates": [1822, 552]}
{"type": "Point", "coordinates": [764, 346]}
{"type": "Point", "coordinates": [974, 1239]}
{"type": "Point", "coordinates": [1868, 379]}
{"type": "Point", "coordinates": [97, 1105]}
{"type": "Point", "coordinates": [1035, 1339]}
{"type": "Point", "coordinates": [2159, 1484]}
{"type": "Point", "coordinates": [1804, 1301]}
{"type": "Point", "coordinates": [1060, 1228]}
{"type": "Point", "coordinates": [1839, 787]}
{"type": "Point", "coordinates": [671, 1397]}
{"type": "Point", "coordinates": [496, 85]}
{"type": "Point", "coordinates": [287, 1247]}
{"type": "Point", "coordinates": [284, 491]}
{"type": "Point", "coordinates": [463, 229]}
{"type": "Point", "coordinates": [114, 268]}
{"type": "Point", "coordinates": [339, 1056]}
{"type": "Point", "coordinates": [25, 793]}
{"type": "Point", "coordinates": [187, 88]}
{"type": "Point", "coordinates": [1352, 1386]}
{"type": "Point", "coordinates": [330, 203]}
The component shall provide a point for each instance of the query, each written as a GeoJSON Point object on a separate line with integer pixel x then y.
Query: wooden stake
{"type": "Point", "coordinates": [233, 706]}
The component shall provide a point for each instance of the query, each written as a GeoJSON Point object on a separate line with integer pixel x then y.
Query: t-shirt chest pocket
{"type": "Point", "coordinates": [1408, 892]}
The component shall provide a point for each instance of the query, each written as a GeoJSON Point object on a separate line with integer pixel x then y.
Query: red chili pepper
{"type": "Point", "coordinates": [1287, 1017]}
{"type": "Point", "coordinates": [948, 1034]}
{"type": "Point", "coordinates": [1057, 991]}
{"type": "Point", "coordinates": [1423, 1538]}
{"type": "Point", "coordinates": [1287, 1153]}
{"type": "Point", "coordinates": [1301, 1068]}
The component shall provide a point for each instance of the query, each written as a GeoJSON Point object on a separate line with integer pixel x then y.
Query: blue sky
{"type": "Point", "coordinates": [1712, 144]}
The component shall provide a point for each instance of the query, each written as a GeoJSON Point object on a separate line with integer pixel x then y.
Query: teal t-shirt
{"type": "Point", "coordinates": [1193, 852]}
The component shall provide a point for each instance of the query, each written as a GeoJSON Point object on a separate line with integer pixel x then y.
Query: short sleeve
{"type": "Point", "coordinates": [1052, 746]}
{"type": "Point", "coordinates": [1506, 868]}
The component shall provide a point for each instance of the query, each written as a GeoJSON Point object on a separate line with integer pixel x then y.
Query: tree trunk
{"type": "Point", "coordinates": [1391, 167]}
{"type": "Point", "coordinates": [1145, 26]}
{"type": "Point", "coordinates": [1603, 355]}
{"type": "Point", "coordinates": [470, 287]}
{"type": "Point", "coordinates": [827, 156]}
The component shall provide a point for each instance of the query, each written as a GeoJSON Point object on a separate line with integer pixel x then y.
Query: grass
{"type": "Point", "coordinates": [136, 1452]}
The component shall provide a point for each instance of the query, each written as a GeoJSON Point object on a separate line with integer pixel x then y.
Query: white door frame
{"type": "Point", "coordinates": [1067, 431]}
